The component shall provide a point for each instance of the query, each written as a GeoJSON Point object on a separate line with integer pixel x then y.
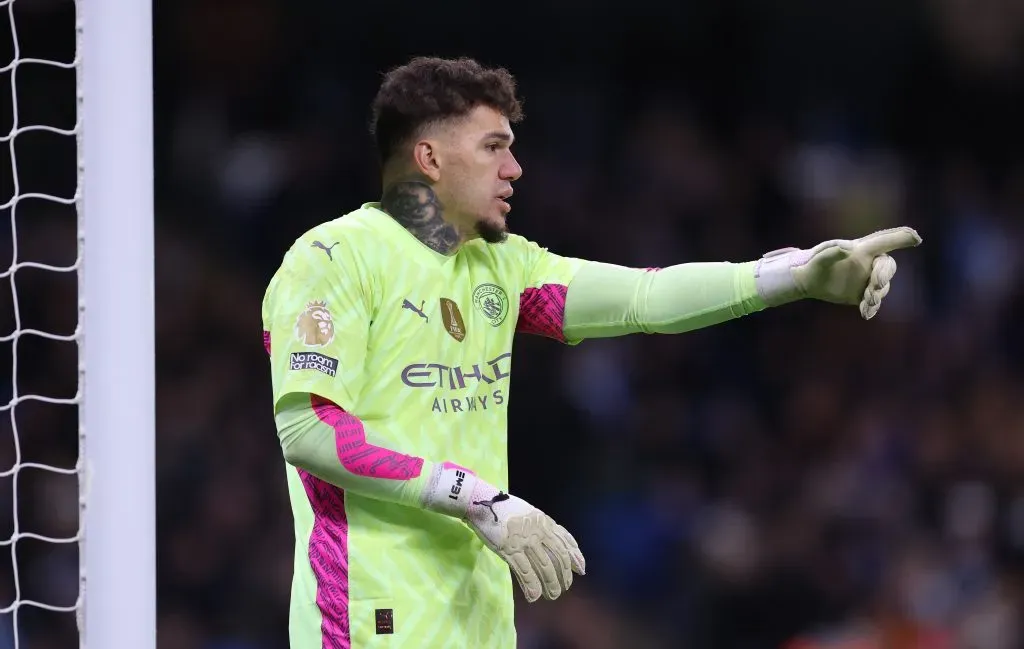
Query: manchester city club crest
{"type": "Point", "coordinates": [491, 301]}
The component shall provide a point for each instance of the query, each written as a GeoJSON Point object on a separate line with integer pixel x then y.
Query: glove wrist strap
{"type": "Point", "coordinates": [773, 276]}
{"type": "Point", "coordinates": [450, 490]}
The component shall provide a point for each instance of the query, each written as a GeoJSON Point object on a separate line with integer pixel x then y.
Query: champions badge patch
{"type": "Point", "coordinates": [451, 317]}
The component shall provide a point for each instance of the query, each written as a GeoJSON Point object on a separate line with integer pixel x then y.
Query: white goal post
{"type": "Point", "coordinates": [116, 324]}
{"type": "Point", "coordinates": [112, 68]}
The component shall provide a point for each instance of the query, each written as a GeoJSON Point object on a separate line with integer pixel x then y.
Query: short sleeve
{"type": "Point", "coordinates": [316, 324]}
{"type": "Point", "coordinates": [546, 283]}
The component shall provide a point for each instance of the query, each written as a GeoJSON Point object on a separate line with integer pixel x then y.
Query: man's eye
{"type": "Point", "coordinates": [492, 147]}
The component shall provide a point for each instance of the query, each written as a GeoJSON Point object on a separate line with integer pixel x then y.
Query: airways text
{"type": "Point", "coordinates": [448, 377]}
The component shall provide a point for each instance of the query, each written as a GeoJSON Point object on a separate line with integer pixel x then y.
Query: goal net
{"type": "Point", "coordinates": [76, 325]}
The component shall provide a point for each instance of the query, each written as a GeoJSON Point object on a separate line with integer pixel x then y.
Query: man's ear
{"type": "Point", "coordinates": [426, 155]}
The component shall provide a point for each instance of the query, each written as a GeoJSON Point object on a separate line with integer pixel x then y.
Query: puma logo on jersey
{"type": "Point", "coordinates": [321, 246]}
{"type": "Point", "coordinates": [406, 304]}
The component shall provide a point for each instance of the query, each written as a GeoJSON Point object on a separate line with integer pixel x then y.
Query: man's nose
{"type": "Point", "coordinates": [511, 170]}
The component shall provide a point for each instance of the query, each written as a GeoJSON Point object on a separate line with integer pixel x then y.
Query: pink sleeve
{"type": "Point", "coordinates": [546, 283]}
{"type": "Point", "coordinates": [322, 439]}
{"type": "Point", "coordinates": [358, 456]}
{"type": "Point", "coordinates": [542, 311]}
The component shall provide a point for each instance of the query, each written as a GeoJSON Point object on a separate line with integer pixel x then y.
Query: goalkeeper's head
{"type": "Point", "coordinates": [448, 122]}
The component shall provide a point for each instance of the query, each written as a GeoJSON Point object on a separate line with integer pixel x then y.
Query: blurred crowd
{"type": "Point", "coordinates": [799, 479]}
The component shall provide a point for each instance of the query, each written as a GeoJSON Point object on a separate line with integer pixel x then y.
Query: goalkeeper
{"type": "Point", "coordinates": [390, 335]}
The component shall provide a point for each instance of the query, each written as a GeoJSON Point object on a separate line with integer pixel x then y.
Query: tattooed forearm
{"type": "Point", "coordinates": [415, 205]}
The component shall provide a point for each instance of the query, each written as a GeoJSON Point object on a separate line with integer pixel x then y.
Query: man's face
{"type": "Point", "coordinates": [477, 171]}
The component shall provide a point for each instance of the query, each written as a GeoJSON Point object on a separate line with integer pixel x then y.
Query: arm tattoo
{"type": "Point", "coordinates": [415, 205]}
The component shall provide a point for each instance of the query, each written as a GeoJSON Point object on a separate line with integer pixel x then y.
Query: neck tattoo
{"type": "Point", "coordinates": [415, 205]}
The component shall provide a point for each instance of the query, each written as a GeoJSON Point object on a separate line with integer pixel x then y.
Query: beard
{"type": "Point", "coordinates": [492, 232]}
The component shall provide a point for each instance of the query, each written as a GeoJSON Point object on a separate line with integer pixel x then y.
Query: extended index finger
{"type": "Point", "coordinates": [883, 241]}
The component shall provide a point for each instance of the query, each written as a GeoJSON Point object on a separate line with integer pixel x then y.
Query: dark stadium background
{"type": "Point", "coordinates": [795, 472]}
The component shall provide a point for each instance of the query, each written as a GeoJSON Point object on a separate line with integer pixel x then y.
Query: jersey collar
{"type": "Point", "coordinates": [392, 228]}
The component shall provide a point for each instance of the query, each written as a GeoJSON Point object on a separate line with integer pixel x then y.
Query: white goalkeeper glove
{"type": "Point", "coordinates": [839, 271]}
{"type": "Point", "coordinates": [542, 554]}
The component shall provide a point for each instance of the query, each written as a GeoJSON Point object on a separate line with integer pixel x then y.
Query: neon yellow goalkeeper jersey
{"type": "Point", "coordinates": [417, 345]}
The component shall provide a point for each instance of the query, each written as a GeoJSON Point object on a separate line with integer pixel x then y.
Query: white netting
{"type": "Point", "coordinates": [40, 590]}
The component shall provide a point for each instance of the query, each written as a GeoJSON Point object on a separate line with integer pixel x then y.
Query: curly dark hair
{"type": "Point", "coordinates": [427, 90]}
